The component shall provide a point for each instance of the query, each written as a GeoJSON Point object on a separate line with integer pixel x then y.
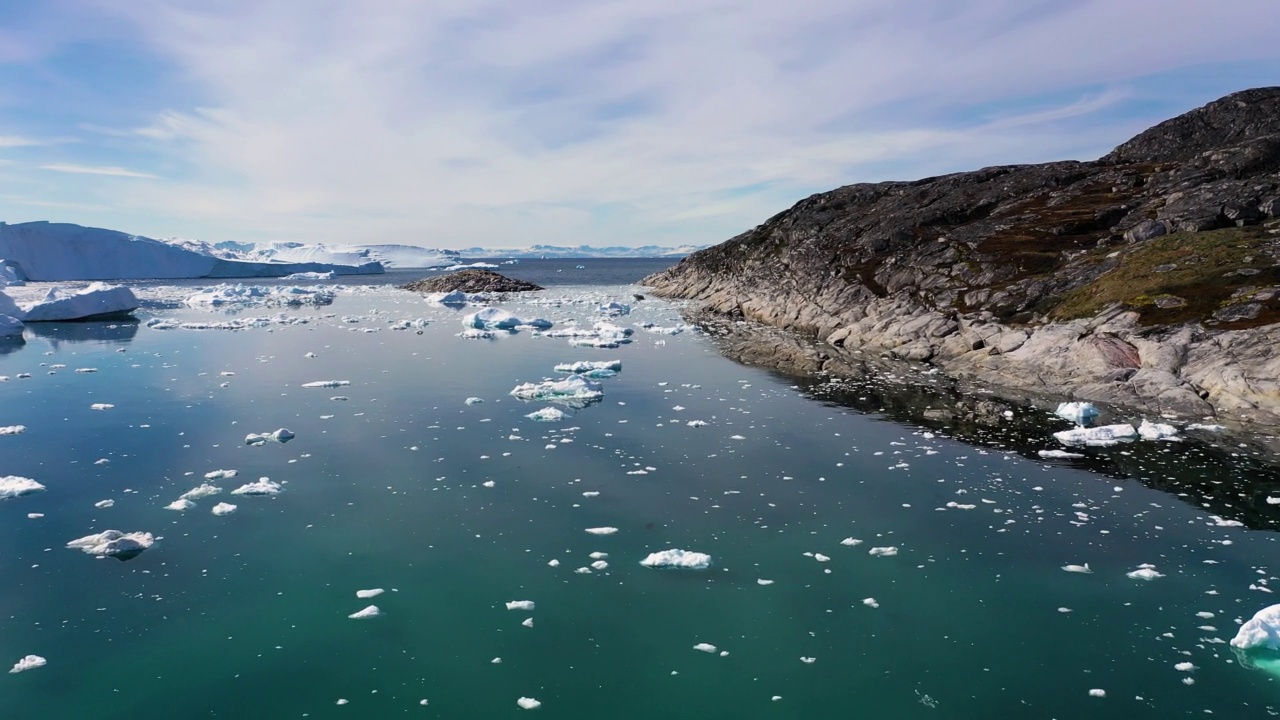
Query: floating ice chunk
{"type": "Point", "coordinates": [870, 602]}
{"type": "Point", "coordinates": [600, 565]}
{"type": "Point", "coordinates": [1059, 454]}
{"type": "Point", "coordinates": [1144, 572]}
{"type": "Point", "coordinates": [675, 558]}
{"type": "Point", "coordinates": [10, 327]}
{"type": "Point", "coordinates": [528, 703]}
{"type": "Point", "coordinates": [888, 551]}
{"type": "Point", "coordinates": [1098, 436]}
{"type": "Point", "coordinates": [369, 612]}
{"type": "Point", "coordinates": [221, 474]}
{"type": "Point", "coordinates": [113, 543]}
{"type": "Point", "coordinates": [705, 647]}
{"type": "Point", "coordinates": [474, 334]}
{"type": "Point", "coordinates": [203, 491]}
{"type": "Point", "coordinates": [1077, 568]}
{"type": "Point", "coordinates": [283, 435]}
{"type": "Point", "coordinates": [181, 505]}
{"type": "Point", "coordinates": [473, 401]}
{"type": "Point", "coordinates": [223, 509]}
{"type": "Point", "coordinates": [602, 530]}
{"type": "Point", "coordinates": [1223, 522]}
{"type": "Point", "coordinates": [366, 594]}
{"type": "Point", "coordinates": [851, 542]}
{"type": "Point", "coordinates": [96, 300]}
{"type": "Point", "coordinates": [326, 384]}
{"type": "Point", "coordinates": [1156, 431]}
{"type": "Point", "coordinates": [104, 503]}
{"type": "Point", "coordinates": [1098, 693]}
{"type": "Point", "coordinates": [614, 309]}
{"type": "Point", "coordinates": [553, 563]}
{"type": "Point", "coordinates": [1079, 413]}
{"type": "Point", "coordinates": [34, 516]}
{"type": "Point", "coordinates": [264, 486]}
{"type": "Point", "coordinates": [573, 390]}
{"type": "Point", "coordinates": [547, 414]}
{"type": "Point", "coordinates": [85, 371]}
{"type": "Point", "coordinates": [762, 581]}
{"type": "Point", "coordinates": [528, 622]}
{"type": "Point", "coordinates": [13, 429]}
{"type": "Point", "coordinates": [309, 276]}
{"type": "Point", "coordinates": [1210, 428]}
{"type": "Point", "coordinates": [592, 369]}
{"type": "Point", "coordinates": [101, 406]}
{"type": "Point", "coordinates": [520, 605]}
{"type": "Point", "coordinates": [30, 662]}
{"type": "Point", "coordinates": [1184, 667]}
{"type": "Point", "coordinates": [12, 486]}
{"type": "Point", "coordinates": [498, 319]}
{"type": "Point", "coordinates": [696, 423]}
{"type": "Point", "coordinates": [820, 557]}
{"type": "Point", "coordinates": [455, 297]}
{"type": "Point", "coordinates": [808, 660]}
{"type": "Point", "coordinates": [1260, 631]}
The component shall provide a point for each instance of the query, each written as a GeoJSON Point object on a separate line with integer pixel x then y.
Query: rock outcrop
{"type": "Point", "coordinates": [470, 281]}
{"type": "Point", "coordinates": [1148, 278]}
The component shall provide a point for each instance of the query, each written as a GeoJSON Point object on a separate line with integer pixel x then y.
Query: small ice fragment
{"type": "Point", "coordinates": [1098, 693]}
{"type": "Point", "coordinates": [528, 703]}
{"type": "Point", "coordinates": [675, 558]}
{"type": "Point", "coordinates": [820, 557]}
{"type": "Point", "coordinates": [602, 530]}
{"type": "Point", "coordinates": [326, 384]}
{"type": "Point", "coordinates": [104, 503]}
{"type": "Point", "coordinates": [547, 414]}
{"type": "Point", "coordinates": [808, 660]}
{"type": "Point", "coordinates": [101, 406]}
{"type": "Point", "coordinates": [590, 493]}
{"type": "Point", "coordinates": [1059, 454]}
{"type": "Point", "coordinates": [473, 401]}
{"type": "Point", "coordinates": [366, 594]}
{"type": "Point", "coordinates": [1156, 431]}
{"type": "Point", "coordinates": [30, 662]}
{"type": "Point", "coordinates": [762, 581]}
{"type": "Point", "coordinates": [1097, 436]}
{"type": "Point", "coordinates": [1144, 572]}
{"type": "Point", "coordinates": [34, 516]}
{"type": "Point", "coordinates": [221, 474]}
{"type": "Point", "coordinates": [705, 647]}
{"type": "Point", "coordinates": [1077, 568]}
{"type": "Point", "coordinates": [528, 622]}
{"type": "Point", "coordinates": [889, 551]}
{"type": "Point", "coordinates": [1184, 667]}
{"type": "Point", "coordinates": [600, 565]}
{"type": "Point", "coordinates": [850, 541]}
{"type": "Point", "coordinates": [870, 602]}
{"type": "Point", "coordinates": [223, 509]}
{"type": "Point", "coordinates": [371, 611]}
{"type": "Point", "coordinates": [554, 563]}
{"type": "Point", "coordinates": [13, 429]}
{"type": "Point", "coordinates": [203, 491]}
{"type": "Point", "coordinates": [520, 605]}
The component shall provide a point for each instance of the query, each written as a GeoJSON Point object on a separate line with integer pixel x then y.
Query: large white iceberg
{"type": "Point", "coordinates": [12, 486]}
{"type": "Point", "coordinates": [96, 300]}
{"type": "Point", "coordinates": [113, 543]}
{"type": "Point", "coordinates": [675, 558]}
{"type": "Point", "coordinates": [574, 390]}
{"type": "Point", "coordinates": [1098, 436]}
{"type": "Point", "coordinates": [499, 319]}
{"type": "Point", "coordinates": [1261, 631]}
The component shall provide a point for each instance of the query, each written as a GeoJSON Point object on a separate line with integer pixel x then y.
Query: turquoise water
{"type": "Point", "coordinates": [245, 616]}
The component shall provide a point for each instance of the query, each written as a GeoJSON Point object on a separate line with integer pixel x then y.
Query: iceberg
{"type": "Point", "coordinates": [113, 543]}
{"type": "Point", "coordinates": [369, 612]}
{"type": "Point", "coordinates": [575, 391]}
{"type": "Point", "coordinates": [98, 300]}
{"type": "Point", "coordinates": [1261, 631]}
{"type": "Point", "coordinates": [592, 369]}
{"type": "Point", "coordinates": [366, 594]}
{"type": "Point", "coordinates": [1079, 413]}
{"type": "Point", "coordinates": [1156, 431]}
{"type": "Point", "coordinates": [12, 486]}
{"type": "Point", "coordinates": [547, 414]}
{"type": "Point", "coordinates": [10, 327]}
{"type": "Point", "coordinates": [675, 558]}
{"type": "Point", "coordinates": [499, 319]}
{"type": "Point", "coordinates": [1097, 436]}
{"type": "Point", "coordinates": [30, 662]}
{"type": "Point", "coordinates": [223, 509]}
{"type": "Point", "coordinates": [264, 486]}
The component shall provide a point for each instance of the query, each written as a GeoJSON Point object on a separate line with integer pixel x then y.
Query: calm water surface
{"type": "Point", "coordinates": [456, 509]}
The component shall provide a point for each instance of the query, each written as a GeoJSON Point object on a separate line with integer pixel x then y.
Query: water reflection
{"type": "Point", "coordinates": [114, 332]}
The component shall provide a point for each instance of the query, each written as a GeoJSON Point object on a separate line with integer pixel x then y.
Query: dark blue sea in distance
{"type": "Point", "coordinates": [861, 566]}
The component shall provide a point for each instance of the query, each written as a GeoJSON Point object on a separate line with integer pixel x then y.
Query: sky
{"type": "Point", "coordinates": [452, 123]}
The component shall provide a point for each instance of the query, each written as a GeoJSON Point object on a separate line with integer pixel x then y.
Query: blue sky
{"type": "Point", "coordinates": [452, 123]}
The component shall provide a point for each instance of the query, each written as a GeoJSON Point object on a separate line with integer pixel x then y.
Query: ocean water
{"type": "Point", "coordinates": [456, 509]}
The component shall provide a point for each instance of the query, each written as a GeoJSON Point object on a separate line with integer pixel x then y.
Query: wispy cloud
{"type": "Point", "coordinates": [17, 141]}
{"type": "Point", "coordinates": [466, 122]}
{"type": "Point", "coordinates": [95, 170]}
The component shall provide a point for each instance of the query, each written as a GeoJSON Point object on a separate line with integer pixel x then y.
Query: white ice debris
{"type": "Point", "coordinates": [1184, 667]}
{"type": "Point", "coordinates": [474, 334]}
{"type": "Point", "coordinates": [1098, 436]}
{"type": "Point", "coordinates": [1077, 568]}
{"type": "Point", "coordinates": [851, 542]}
{"type": "Point", "coordinates": [547, 414]}
{"type": "Point", "coordinates": [705, 647]}
{"type": "Point", "coordinates": [309, 276]}
{"type": "Point", "coordinates": [455, 297]}
{"type": "Point", "coordinates": [223, 509]}
{"type": "Point", "coordinates": [113, 543]}
{"type": "Point", "coordinates": [13, 429]}
{"type": "Point", "coordinates": [98, 299]}
{"type": "Point", "coordinates": [221, 474]}
{"type": "Point", "coordinates": [12, 486]}
{"type": "Point", "coordinates": [366, 594]}
{"type": "Point", "coordinates": [870, 602]}
{"type": "Point", "coordinates": [264, 486]}
{"type": "Point", "coordinates": [1210, 428]}
{"type": "Point", "coordinates": [30, 662]}
{"type": "Point", "coordinates": [181, 505]}
{"type": "Point", "coordinates": [592, 369]}
{"type": "Point", "coordinates": [528, 622]}
{"type": "Point", "coordinates": [762, 581]}
{"type": "Point", "coordinates": [104, 504]}
{"type": "Point", "coordinates": [602, 530]}
{"type": "Point", "coordinates": [101, 406]}
{"type": "Point", "coordinates": [473, 401]}
{"type": "Point", "coordinates": [614, 309]}
{"type": "Point", "coordinates": [1059, 454]}
{"type": "Point", "coordinates": [1145, 571]}
{"type": "Point", "coordinates": [202, 491]}
{"type": "Point", "coordinates": [528, 703]}
{"type": "Point", "coordinates": [283, 435]}
{"type": "Point", "coordinates": [574, 389]}
{"type": "Point", "coordinates": [1079, 413]}
{"type": "Point", "coordinates": [888, 551]}
{"type": "Point", "coordinates": [498, 319]}
{"type": "Point", "coordinates": [520, 605]}
{"type": "Point", "coordinates": [1261, 631]}
{"type": "Point", "coordinates": [326, 384]}
{"type": "Point", "coordinates": [1098, 693]}
{"type": "Point", "coordinates": [1156, 431]}
{"type": "Point", "coordinates": [675, 558]}
{"type": "Point", "coordinates": [369, 612]}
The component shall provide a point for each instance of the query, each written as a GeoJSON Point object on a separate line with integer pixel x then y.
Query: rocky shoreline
{"type": "Point", "coordinates": [1148, 279]}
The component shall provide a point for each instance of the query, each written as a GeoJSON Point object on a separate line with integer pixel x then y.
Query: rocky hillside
{"type": "Point", "coordinates": [1149, 277]}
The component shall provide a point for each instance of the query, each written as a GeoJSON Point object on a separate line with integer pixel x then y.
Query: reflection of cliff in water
{"type": "Point", "coordinates": [113, 332]}
{"type": "Point", "coordinates": [11, 345]}
{"type": "Point", "coordinates": [1229, 474]}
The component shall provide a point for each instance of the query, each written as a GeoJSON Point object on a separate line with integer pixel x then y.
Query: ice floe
{"type": "Point", "coordinates": [221, 474]}
{"type": "Point", "coordinates": [101, 406]}
{"type": "Point", "coordinates": [547, 414]}
{"type": "Point", "coordinates": [602, 530]}
{"type": "Point", "coordinates": [528, 703]}
{"type": "Point", "coordinates": [203, 490]}
{"type": "Point", "coordinates": [1077, 568]}
{"type": "Point", "coordinates": [223, 509]}
{"type": "Point", "coordinates": [888, 551]}
{"type": "Point", "coordinates": [1145, 571]}
{"type": "Point", "coordinates": [614, 309]}
{"type": "Point", "coordinates": [369, 612]}
{"type": "Point", "coordinates": [264, 486]}
{"type": "Point", "coordinates": [705, 647]}
{"type": "Point", "coordinates": [30, 662]}
{"type": "Point", "coordinates": [255, 295]}
{"type": "Point", "coordinates": [592, 369]}
{"type": "Point", "coordinates": [574, 390]}
{"type": "Point", "coordinates": [1097, 436]}
{"type": "Point", "coordinates": [12, 486]}
{"type": "Point", "coordinates": [13, 429]}
{"type": "Point", "coordinates": [282, 435]}
{"type": "Point", "coordinates": [1080, 413]}
{"type": "Point", "coordinates": [113, 543]}
{"type": "Point", "coordinates": [180, 505]}
{"type": "Point", "coordinates": [520, 605]}
{"type": "Point", "coordinates": [366, 594]}
{"type": "Point", "coordinates": [1156, 431]}
{"type": "Point", "coordinates": [676, 558]}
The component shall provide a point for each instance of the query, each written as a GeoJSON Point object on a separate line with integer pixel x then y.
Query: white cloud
{"type": "Point", "coordinates": [94, 170]}
{"type": "Point", "coordinates": [466, 122]}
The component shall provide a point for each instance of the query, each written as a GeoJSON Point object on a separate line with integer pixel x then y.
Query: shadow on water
{"type": "Point", "coordinates": [1232, 473]}
{"type": "Point", "coordinates": [104, 332]}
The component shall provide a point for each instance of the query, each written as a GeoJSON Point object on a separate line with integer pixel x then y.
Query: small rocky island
{"type": "Point", "coordinates": [1148, 279]}
{"type": "Point", "coordinates": [470, 281]}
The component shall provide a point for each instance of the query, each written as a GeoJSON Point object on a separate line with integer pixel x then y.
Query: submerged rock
{"type": "Point", "coordinates": [470, 281]}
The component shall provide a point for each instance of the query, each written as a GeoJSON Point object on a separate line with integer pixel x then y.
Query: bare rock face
{"type": "Point", "coordinates": [470, 281]}
{"type": "Point", "coordinates": [1149, 278]}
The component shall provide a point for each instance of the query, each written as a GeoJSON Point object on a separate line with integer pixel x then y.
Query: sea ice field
{"type": "Point", "coordinates": [328, 499]}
